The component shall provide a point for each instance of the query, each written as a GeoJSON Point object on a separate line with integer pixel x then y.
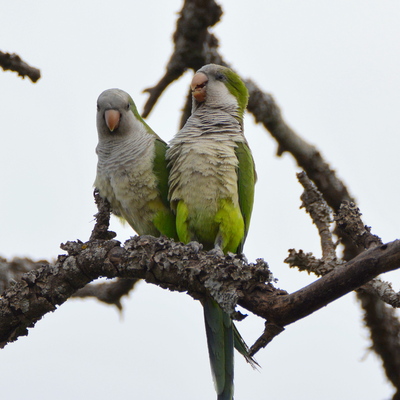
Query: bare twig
{"type": "Point", "coordinates": [270, 332]}
{"type": "Point", "coordinates": [100, 230]}
{"type": "Point", "coordinates": [320, 213]}
{"type": "Point", "coordinates": [108, 292]}
{"type": "Point", "coordinates": [13, 62]}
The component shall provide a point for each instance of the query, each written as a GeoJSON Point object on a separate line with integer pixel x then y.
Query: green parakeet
{"type": "Point", "coordinates": [132, 172]}
{"type": "Point", "coordinates": [212, 180]}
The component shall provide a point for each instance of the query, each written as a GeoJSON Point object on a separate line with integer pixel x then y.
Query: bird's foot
{"type": "Point", "coordinates": [217, 252]}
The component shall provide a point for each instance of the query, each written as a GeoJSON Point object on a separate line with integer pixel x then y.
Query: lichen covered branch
{"type": "Point", "coordinates": [183, 268]}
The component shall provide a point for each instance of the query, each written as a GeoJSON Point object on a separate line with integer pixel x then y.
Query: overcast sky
{"type": "Point", "coordinates": [332, 66]}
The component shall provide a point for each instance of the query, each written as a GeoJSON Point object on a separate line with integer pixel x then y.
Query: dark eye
{"type": "Point", "coordinates": [219, 77]}
{"type": "Point", "coordinates": [128, 106]}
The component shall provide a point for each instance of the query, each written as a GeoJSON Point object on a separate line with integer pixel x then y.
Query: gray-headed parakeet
{"type": "Point", "coordinates": [211, 189]}
{"type": "Point", "coordinates": [132, 172]}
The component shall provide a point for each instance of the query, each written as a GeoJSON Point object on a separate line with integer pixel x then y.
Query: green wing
{"type": "Point", "coordinates": [165, 219]}
{"type": "Point", "coordinates": [246, 181]}
{"type": "Point", "coordinates": [161, 169]}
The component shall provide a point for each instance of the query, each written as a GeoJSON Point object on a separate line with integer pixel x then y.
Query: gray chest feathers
{"type": "Point", "coordinates": [125, 177]}
{"type": "Point", "coordinates": [203, 161]}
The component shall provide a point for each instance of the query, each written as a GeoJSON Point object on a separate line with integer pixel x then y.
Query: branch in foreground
{"type": "Point", "coordinates": [13, 62]}
{"type": "Point", "coordinates": [330, 287]}
{"type": "Point", "coordinates": [181, 268]}
{"type": "Point", "coordinates": [165, 263]}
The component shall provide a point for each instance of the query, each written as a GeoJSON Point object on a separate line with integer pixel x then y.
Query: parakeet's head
{"type": "Point", "coordinates": [116, 113]}
{"type": "Point", "coordinates": [220, 87]}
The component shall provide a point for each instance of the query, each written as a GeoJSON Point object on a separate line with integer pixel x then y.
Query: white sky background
{"type": "Point", "coordinates": [333, 67]}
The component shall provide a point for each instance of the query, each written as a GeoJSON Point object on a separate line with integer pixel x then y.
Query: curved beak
{"type": "Point", "coordinates": [112, 118]}
{"type": "Point", "coordinates": [199, 86]}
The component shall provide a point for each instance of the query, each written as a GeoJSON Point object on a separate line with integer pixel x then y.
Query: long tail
{"type": "Point", "coordinates": [220, 339]}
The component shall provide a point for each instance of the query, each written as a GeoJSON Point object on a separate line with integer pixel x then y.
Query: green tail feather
{"type": "Point", "coordinates": [219, 330]}
{"type": "Point", "coordinates": [242, 348]}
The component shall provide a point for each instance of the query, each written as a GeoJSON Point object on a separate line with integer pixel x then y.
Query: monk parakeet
{"type": "Point", "coordinates": [132, 171]}
{"type": "Point", "coordinates": [211, 189]}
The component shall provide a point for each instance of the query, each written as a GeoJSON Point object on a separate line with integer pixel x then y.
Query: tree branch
{"type": "Point", "coordinates": [320, 212]}
{"type": "Point", "coordinates": [382, 321]}
{"type": "Point", "coordinates": [349, 220]}
{"type": "Point", "coordinates": [108, 292]}
{"type": "Point", "coordinates": [192, 42]}
{"type": "Point", "coordinates": [13, 62]}
{"type": "Point", "coordinates": [182, 268]}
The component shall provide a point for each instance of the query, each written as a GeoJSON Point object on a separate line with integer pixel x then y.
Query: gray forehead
{"type": "Point", "coordinates": [113, 98]}
{"type": "Point", "coordinates": [209, 69]}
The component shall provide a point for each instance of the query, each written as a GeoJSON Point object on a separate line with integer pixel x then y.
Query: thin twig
{"type": "Point", "coordinates": [320, 212]}
{"type": "Point", "coordinates": [108, 292]}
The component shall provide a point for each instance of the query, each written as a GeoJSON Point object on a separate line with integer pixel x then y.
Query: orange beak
{"type": "Point", "coordinates": [198, 85]}
{"type": "Point", "coordinates": [112, 118]}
